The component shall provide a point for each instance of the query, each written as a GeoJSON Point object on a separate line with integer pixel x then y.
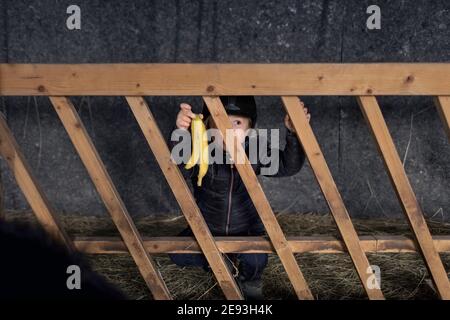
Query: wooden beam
{"type": "Point", "coordinates": [10, 151]}
{"type": "Point", "coordinates": [111, 198]}
{"type": "Point", "coordinates": [184, 196]}
{"type": "Point", "coordinates": [443, 107]}
{"type": "Point", "coordinates": [259, 199]}
{"type": "Point", "coordinates": [305, 244]}
{"type": "Point", "coordinates": [329, 189]}
{"type": "Point", "coordinates": [225, 79]}
{"type": "Point", "coordinates": [405, 193]}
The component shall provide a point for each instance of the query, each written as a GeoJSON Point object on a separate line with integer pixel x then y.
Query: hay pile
{"type": "Point", "coordinates": [330, 276]}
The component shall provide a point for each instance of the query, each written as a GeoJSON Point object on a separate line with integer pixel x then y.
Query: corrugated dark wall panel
{"type": "Point", "coordinates": [229, 31]}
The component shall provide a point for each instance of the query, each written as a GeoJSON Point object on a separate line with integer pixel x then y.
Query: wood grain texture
{"type": "Point", "coordinates": [111, 198]}
{"type": "Point", "coordinates": [302, 244]}
{"type": "Point", "coordinates": [443, 107]}
{"type": "Point", "coordinates": [259, 199]}
{"type": "Point", "coordinates": [413, 211]}
{"type": "Point", "coordinates": [329, 189]}
{"type": "Point", "coordinates": [225, 79]}
{"type": "Point", "coordinates": [184, 196]}
{"type": "Point", "coordinates": [42, 209]}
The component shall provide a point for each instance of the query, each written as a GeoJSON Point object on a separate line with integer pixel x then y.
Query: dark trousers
{"type": "Point", "coordinates": [250, 265]}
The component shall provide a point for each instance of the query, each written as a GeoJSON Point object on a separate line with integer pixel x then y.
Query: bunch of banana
{"type": "Point", "coordinates": [199, 148]}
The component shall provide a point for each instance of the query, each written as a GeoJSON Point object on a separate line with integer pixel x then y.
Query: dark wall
{"type": "Point", "coordinates": [229, 31]}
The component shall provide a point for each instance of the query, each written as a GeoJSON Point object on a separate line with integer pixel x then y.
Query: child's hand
{"type": "Point", "coordinates": [288, 121]}
{"type": "Point", "coordinates": [185, 116]}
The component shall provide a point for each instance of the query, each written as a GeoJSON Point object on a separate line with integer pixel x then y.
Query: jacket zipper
{"type": "Point", "coordinates": [229, 200]}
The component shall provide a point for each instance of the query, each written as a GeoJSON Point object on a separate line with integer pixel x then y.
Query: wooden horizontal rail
{"type": "Point", "coordinates": [313, 244]}
{"type": "Point", "coordinates": [211, 80]}
{"type": "Point", "coordinates": [225, 79]}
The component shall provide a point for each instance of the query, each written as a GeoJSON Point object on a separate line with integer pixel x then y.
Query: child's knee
{"type": "Point", "coordinates": [175, 258]}
{"type": "Point", "coordinates": [188, 260]}
{"type": "Point", "coordinates": [180, 259]}
{"type": "Point", "coordinates": [251, 266]}
{"type": "Point", "coordinates": [254, 260]}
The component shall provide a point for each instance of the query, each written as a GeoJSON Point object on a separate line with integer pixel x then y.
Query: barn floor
{"type": "Point", "coordinates": [330, 276]}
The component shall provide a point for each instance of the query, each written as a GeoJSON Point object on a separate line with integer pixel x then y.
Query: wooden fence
{"type": "Point", "coordinates": [364, 81]}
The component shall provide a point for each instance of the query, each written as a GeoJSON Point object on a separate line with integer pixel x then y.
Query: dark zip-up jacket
{"type": "Point", "coordinates": [223, 198]}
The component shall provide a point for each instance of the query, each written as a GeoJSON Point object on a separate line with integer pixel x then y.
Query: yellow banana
{"type": "Point", "coordinates": [199, 148]}
{"type": "Point", "coordinates": [204, 158]}
{"type": "Point", "coordinates": [196, 124]}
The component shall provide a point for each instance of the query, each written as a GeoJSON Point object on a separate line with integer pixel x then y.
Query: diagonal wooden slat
{"type": "Point", "coordinates": [184, 196]}
{"type": "Point", "coordinates": [405, 193]}
{"type": "Point", "coordinates": [329, 189]}
{"type": "Point", "coordinates": [260, 201]}
{"type": "Point", "coordinates": [107, 191]}
{"type": "Point", "coordinates": [443, 107]}
{"type": "Point", "coordinates": [32, 191]}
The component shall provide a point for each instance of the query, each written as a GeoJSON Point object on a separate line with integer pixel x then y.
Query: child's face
{"type": "Point", "coordinates": [240, 126]}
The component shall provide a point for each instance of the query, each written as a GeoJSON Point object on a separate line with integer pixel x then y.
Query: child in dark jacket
{"type": "Point", "coordinates": [223, 198]}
